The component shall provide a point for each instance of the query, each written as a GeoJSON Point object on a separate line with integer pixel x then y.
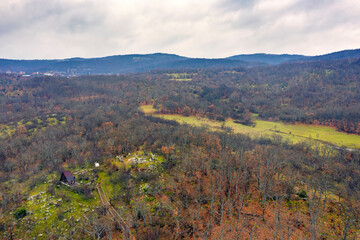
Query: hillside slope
{"type": "Point", "coordinates": [135, 63]}
{"type": "Point", "coordinates": [115, 64]}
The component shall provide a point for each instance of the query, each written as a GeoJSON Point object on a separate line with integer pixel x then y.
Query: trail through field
{"type": "Point", "coordinates": [115, 215]}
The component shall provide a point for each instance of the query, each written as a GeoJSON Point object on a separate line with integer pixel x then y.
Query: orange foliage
{"type": "Point", "coordinates": [167, 150]}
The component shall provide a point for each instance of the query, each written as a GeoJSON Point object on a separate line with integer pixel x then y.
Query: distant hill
{"type": "Point", "coordinates": [147, 62]}
{"type": "Point", "coordinates": [345, 54]}
{"type": "Point", "coordinates": [270, 59]}
{"type": "Point", "coordinates": [115, 64]}
{"type": "Point", "coordinates": [275, 59]}
{"type": "Point", "coordinates": [111, 64]}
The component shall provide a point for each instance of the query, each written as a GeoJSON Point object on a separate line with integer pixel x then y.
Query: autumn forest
{"type": "Point", "coordinates": [163, 179]}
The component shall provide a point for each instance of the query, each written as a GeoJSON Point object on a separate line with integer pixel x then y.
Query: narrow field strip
{"type": "Point", "coordinates": [293, 132]}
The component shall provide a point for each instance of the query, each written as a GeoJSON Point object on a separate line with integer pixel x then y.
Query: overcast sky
{"type": "Point", "coordinates": [50, 29]}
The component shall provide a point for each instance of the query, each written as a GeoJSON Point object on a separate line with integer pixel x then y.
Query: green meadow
{"type": "Point", "coordinates": [293, 132]}
{"type": "Point", "coordinates": [181, 77]}
{"type": "Point", "coordinates": [147, 108]}
{"type": "Point", "coordinates": [54, 208]}
{"type": "Point", "coordinates": [51, 207]}
{"type": "Point", "coordinates": [138, 165]}
{"type": "Point", "coordinates": [31, 126]}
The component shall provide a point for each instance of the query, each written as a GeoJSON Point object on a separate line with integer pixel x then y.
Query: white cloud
{"type": "Point", "coordinates": [204, 28]}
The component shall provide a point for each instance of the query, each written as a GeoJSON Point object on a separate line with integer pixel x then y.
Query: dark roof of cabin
{"type": "Point", "coordinates": [68, 175]}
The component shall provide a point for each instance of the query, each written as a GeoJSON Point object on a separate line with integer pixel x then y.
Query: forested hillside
{"type": "Point", "coordinates": [326, 93]}
{"type": "Point", "coordinates": [115, 64]}
{"type": "Point", "coordinates": [165, 180]}
{"type": "Point", "coordinates": [136, 63]}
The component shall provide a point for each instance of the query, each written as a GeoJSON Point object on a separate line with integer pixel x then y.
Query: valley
{"type": "Point", "coordinates": [212, 151]}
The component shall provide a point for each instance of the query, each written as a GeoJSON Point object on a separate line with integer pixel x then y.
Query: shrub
{"type": "Point", "coordinates": [20, 213]}
{"type": "Point", "coordinates": [220, 118]}
{"type": "Point", "coordinates": [60, 214]}
{"type": "Point", "coordinates": [85, 190]}
{"type": "Point", "coordinates": [2, 225]}
{"type": "Point", "coordinates": [64, 197]}
{"type": "Point", "coordinates": [121, 176]}
{"type": "Point", "coordinates": [36, 181]}
{"type": "Point", "coordinates": [101, 211]}
{"type": "Point", "coordinates": [113, 168]}
{"type": "Point", "coordinates": [83, 177]}
{"type": "Point", "coordinates": [145, 177]}
{"type": "Point", "coordinates": [302, 194]}
{"type": "Point", "coordinates": [51, 189]}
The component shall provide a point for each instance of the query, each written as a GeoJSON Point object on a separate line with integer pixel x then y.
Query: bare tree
{"type": "Point", "coordinates": [264, 174]}
{"type": "Point", "coordinates": [314, 198]}
{"type": "Point", "coordinates": [96, 227]}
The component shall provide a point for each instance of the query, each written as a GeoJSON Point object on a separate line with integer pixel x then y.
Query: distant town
{"type": "Point", "coordinates": [36, 74]}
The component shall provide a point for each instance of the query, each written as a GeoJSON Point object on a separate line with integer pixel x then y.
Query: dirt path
{"type": "Point", "coordinates": [116, 216]}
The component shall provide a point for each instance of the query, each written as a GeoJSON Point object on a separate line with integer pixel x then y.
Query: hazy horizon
{"type": "Point", "coordinates": [151, 53]}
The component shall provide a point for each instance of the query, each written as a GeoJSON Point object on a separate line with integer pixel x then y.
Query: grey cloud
{"type": "Point", "coordinates": [27, 12]}
{"type": "Point", "coordinates": [203, 28]}
{"type": "Point", "coordinates": [233, 5]}
{"type": "Point", "coordinates": [54, 14]}
{"type": "Point", "coordinates": [313, 5]}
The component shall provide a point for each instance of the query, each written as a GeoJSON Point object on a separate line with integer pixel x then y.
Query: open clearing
{"type": "Point", "coordinates": [31, 126]}
{"type": "Point", "coordinates": [53, 206]}
{"type": "Point", "coordinates": [180, 77]}
{"type": "Point", "coordinates": [292, 132]}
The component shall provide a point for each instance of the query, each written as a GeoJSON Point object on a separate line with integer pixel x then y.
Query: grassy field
{"type": "Point", "coordinates": [53, 208]}
{"type": "Point", "coordinates": [291, 132]}
{"type": "Point", "coordinates": [30, 126]}
{"type": "Point", "coordinates": [135, 163]}
{"type": "Point", "coordinates": [180, 77]}
{"type": "Point", "coordinates": [147, 109]}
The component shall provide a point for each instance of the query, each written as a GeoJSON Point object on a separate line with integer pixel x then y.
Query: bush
{"type": "Point", "coordinates": [85, 191]}
{"type": "Point", "coordinates": [51, 189]}
{"type": "Point", "coordinates": [220, 118]}
{"type": "Point", "coordinates": [101, 211]}
{"type": "Point", "coordinates": [2, 225]}
{"type": "Point", "coordinates": [144, 177]}
{"type": "Point", "coordinates": [60, 214]}
{"type": "Point", "coordinates": [302, 194]}
{"type": "Point", "coordinates": [113, 168]}
{"type": "Point", "coordinates": [83, 177]}
{"type": "Point", "coordinates": [64, 197]}
{"type": "Point", "coordinates": [20, 213]}
{"type": "Point", "coordinates": [36, 181]}
{"type": "Point", "coordinates": [121, 176]}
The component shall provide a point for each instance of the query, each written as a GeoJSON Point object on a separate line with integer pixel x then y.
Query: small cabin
{"type": "Point", "coordinates": [67, 177]}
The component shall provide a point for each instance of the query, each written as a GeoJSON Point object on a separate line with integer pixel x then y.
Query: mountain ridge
{"type": "Point", "coordinates": [132, 63]}
{"type": "Point", "coordinates": [271, 59]}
